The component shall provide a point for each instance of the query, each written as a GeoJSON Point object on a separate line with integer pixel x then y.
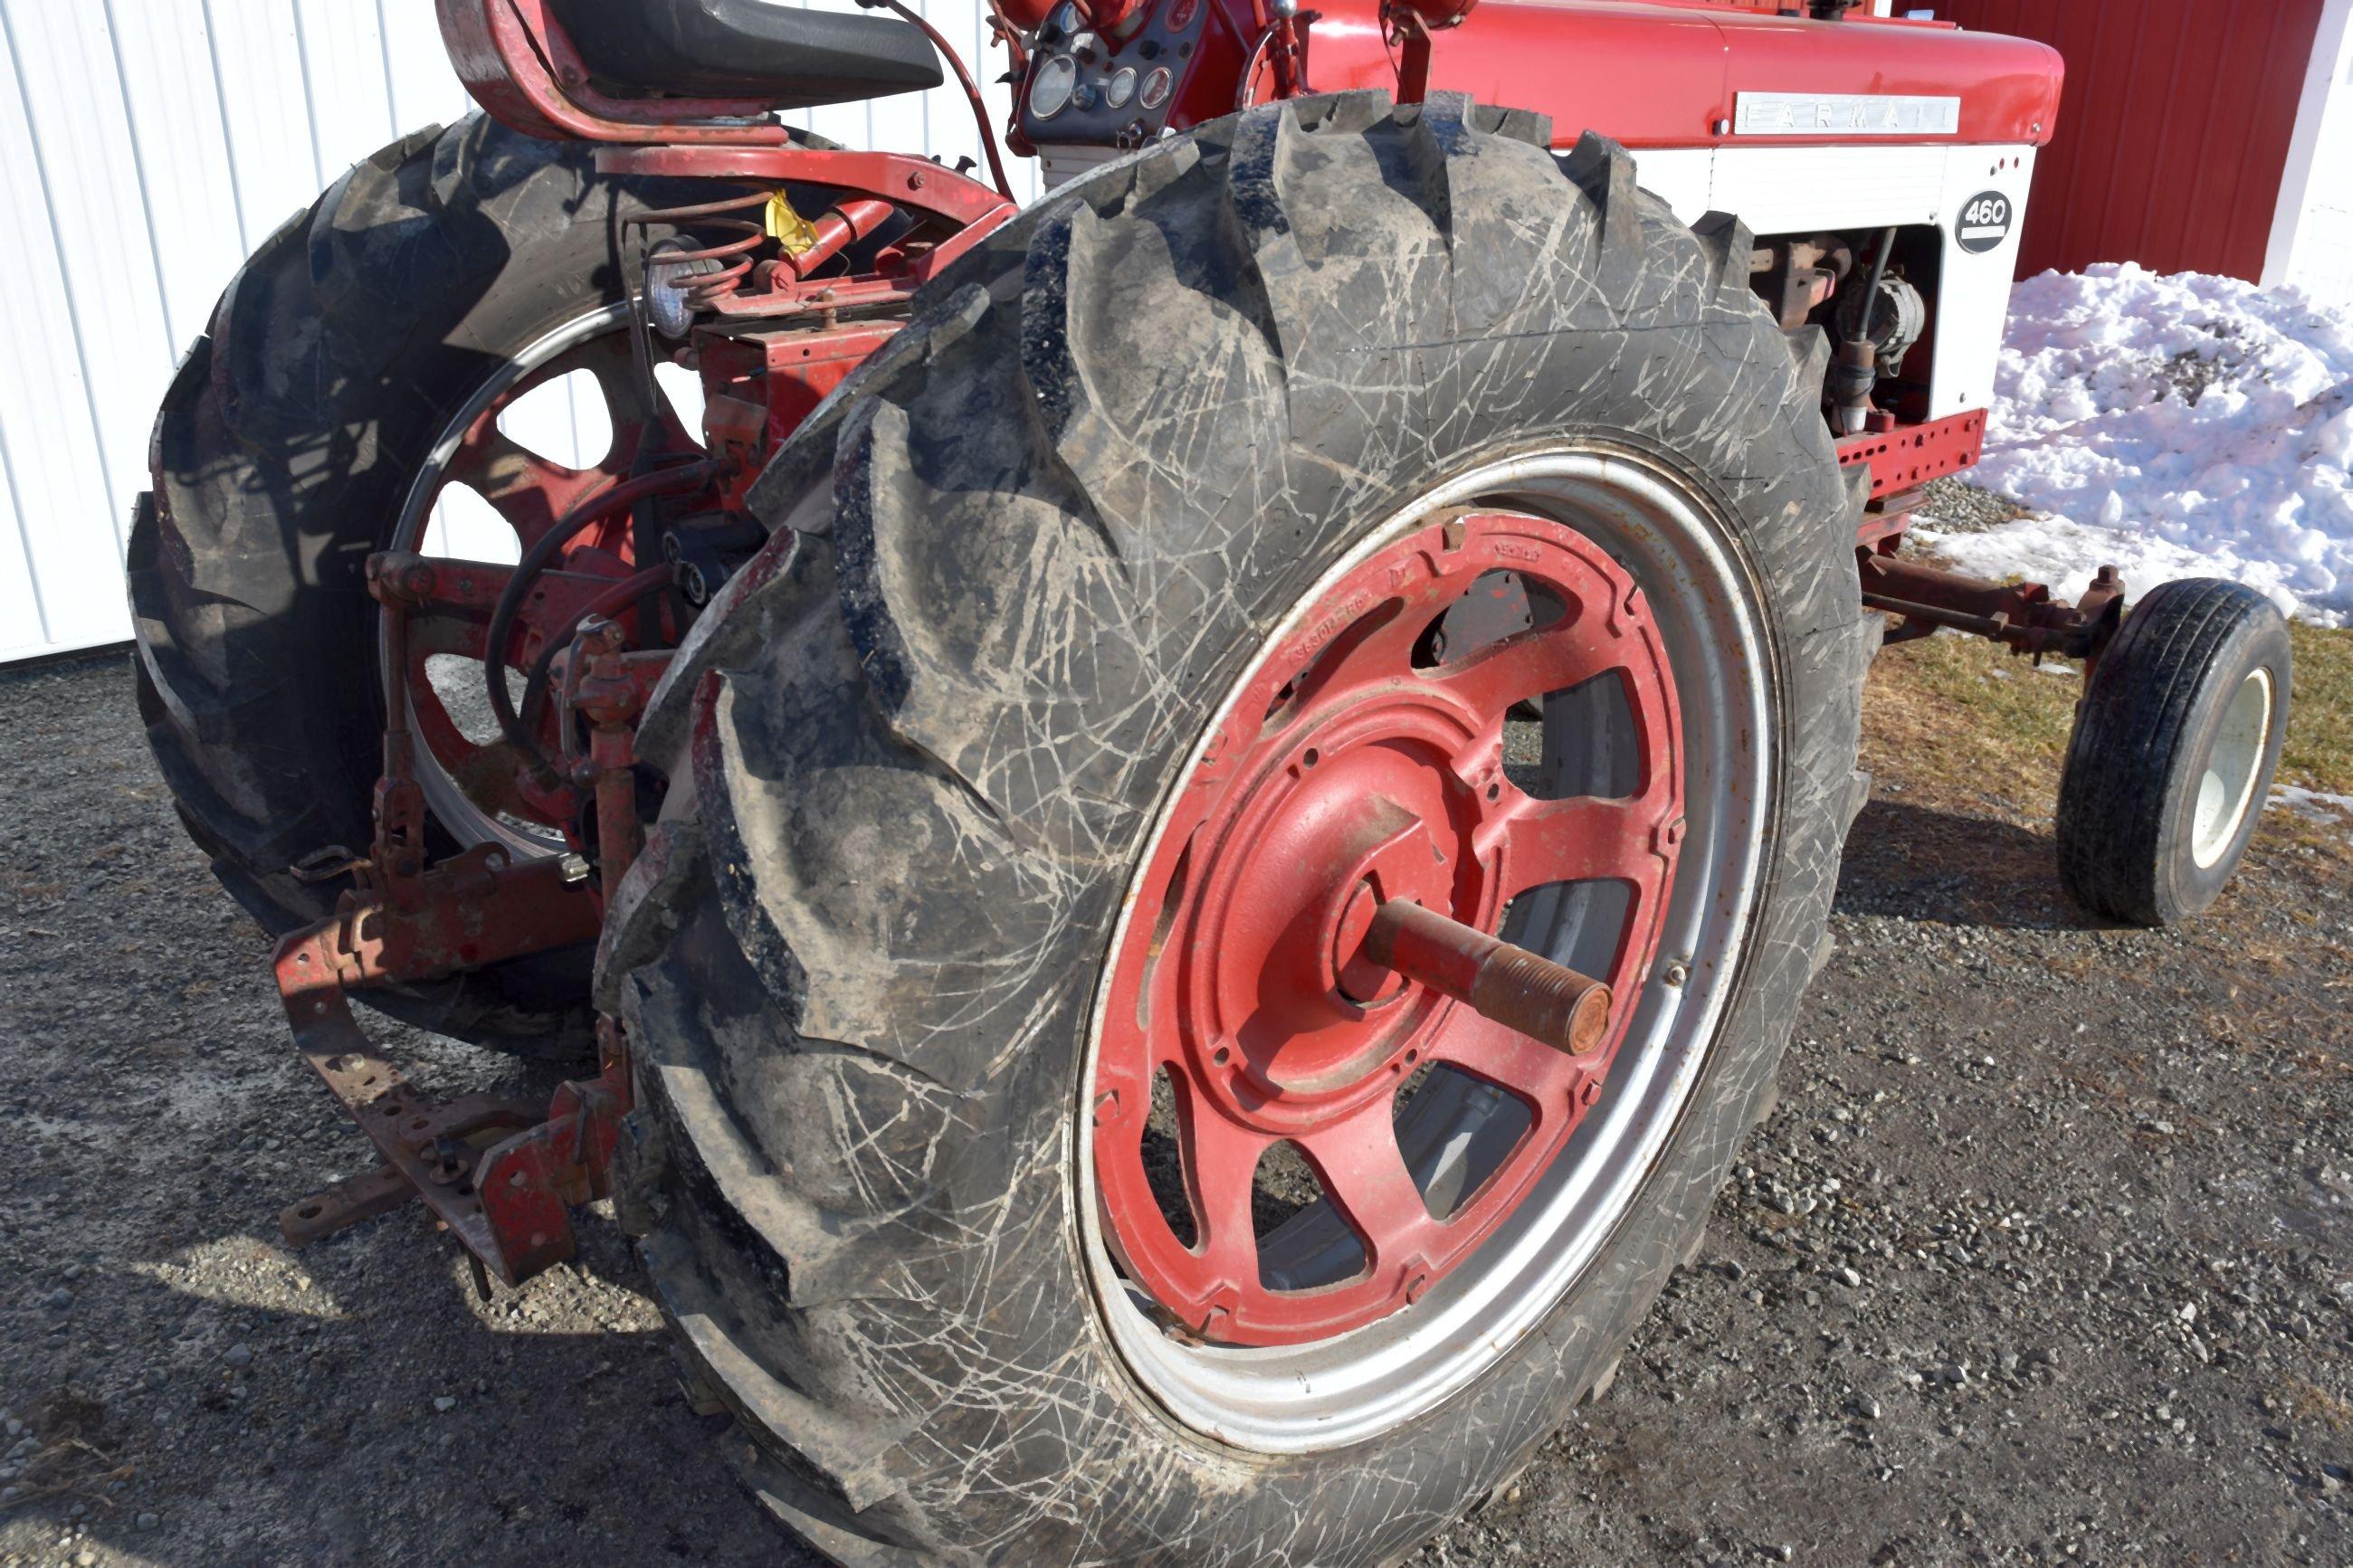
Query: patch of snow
{"type": "Point", "coordinates": [2312, 804]}
{"type": "Point", "coordinates": [2172, 424]}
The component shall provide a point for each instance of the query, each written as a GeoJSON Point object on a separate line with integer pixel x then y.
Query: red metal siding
{"type": "Point", "coordinates": [2173, 129]}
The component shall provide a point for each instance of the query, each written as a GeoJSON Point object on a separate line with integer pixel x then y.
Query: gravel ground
{"type": "Point", "coordinates": [2047, 1254]}
{"type": "Point", "coordinates": [1956, 506]}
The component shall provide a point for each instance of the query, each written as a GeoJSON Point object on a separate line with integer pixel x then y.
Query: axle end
{"type": "Point", "coordinates": [1505, 985]}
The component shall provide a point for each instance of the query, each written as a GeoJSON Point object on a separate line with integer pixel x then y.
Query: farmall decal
{"type": "Point", "coordinates": [1844, 114]}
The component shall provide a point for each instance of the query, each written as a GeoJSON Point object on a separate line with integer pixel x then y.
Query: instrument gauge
{"type": "Point", "coordinates": [1156, 88]}
{"type": "Point", "coordinates": [1050, 88]}
{"type": "Point", "coordinates": [1121, 88]}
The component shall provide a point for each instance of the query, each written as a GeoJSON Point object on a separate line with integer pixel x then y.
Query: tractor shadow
{"type": "Point", "coordinates": [1923, 862]}
{"type": "Point", "coordinates": [397, 1420]}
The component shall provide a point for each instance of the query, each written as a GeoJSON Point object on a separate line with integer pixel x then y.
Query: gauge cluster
{"type": "Point", "coordinates": [1095, 88]}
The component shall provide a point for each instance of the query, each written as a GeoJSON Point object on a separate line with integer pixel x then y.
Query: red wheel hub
{"type": "Point", "coordinates": [1352, 772]}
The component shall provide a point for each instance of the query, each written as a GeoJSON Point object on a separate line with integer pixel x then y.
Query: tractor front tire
{"type": "Point", "coordinates": [2173, 755]}
{"type": "Point", "coordinates": [1039, 547]}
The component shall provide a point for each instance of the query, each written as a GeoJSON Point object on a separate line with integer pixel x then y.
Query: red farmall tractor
{"type": "Point", "coordinates": [1186, 823]}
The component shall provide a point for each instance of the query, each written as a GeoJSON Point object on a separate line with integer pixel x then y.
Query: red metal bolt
{"type": "Point", "coordinates": [1507, 984]}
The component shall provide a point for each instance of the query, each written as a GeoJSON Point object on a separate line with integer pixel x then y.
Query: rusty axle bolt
{"type": "Point", "coordinates": [1502, 983]}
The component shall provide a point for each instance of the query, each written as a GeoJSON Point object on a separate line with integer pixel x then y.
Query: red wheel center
{"type": "Point", "coordinates": [1356, 768]}
{"type": "Point", "coordinates": [1327, 841]}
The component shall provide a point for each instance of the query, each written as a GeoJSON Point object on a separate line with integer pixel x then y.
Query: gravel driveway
{"type": "Point", "coordinates": [2047, 1254]}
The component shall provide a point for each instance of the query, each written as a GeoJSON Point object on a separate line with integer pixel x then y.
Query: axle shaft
{"type": "Point", "coordinates": [1502, 983]}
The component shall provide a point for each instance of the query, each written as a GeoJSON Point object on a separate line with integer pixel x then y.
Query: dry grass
{"type": "Point", "coordinates": [1961, 722]}
{"type": "Point", "coordinates": [1960, 718]}
{"type": "Point", "coordinates": [2319, 754]}
{"type": "Point", "coordinates": [2310, 1403]}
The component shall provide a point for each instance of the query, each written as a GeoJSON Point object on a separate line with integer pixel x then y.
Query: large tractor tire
{"type": "Point", "coordinates": [314, 424]}
{"type": "Point", "coordinates": [1021, 1147]}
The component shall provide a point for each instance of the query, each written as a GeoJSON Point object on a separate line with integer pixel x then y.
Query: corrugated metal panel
{"type": "Point", "coordinates": [146, 147]}
{"type": "Point", "coordinates": [2312, 234]}
{"type": "Point", "coordinates": [2172, 133]}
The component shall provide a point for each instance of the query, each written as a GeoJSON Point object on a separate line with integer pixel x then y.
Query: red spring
{"type": "Point", "coordinates": [733, 255]}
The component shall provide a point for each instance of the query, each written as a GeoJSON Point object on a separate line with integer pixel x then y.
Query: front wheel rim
{"type": "Point", "coordinates": [2226, 784]}
{"type": "Point", "coordinates": [1283, 1391]}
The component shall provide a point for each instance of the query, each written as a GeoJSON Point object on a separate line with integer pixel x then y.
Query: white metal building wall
{"type": "Point", "coordinates": [2312, 236]}
{"type": "Point", "coordinates": [146, 147]}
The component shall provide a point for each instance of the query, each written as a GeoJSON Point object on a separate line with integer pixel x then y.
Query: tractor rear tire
{"type": "Point", "coordinates": [1037, 543]}
{"type": "Point", "coordinates": [283, 453]}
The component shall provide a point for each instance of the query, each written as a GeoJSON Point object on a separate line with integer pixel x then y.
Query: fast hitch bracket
{"type": "Point", "coordinates": [499, 1175]}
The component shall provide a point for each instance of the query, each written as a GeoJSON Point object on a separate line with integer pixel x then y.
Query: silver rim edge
{"type": "Point", "coordinates": [450, 807]}
{"type": "Point", "coordinates": [2226, 785]}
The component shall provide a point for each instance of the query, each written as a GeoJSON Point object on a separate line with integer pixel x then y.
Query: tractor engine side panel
{"type": "Point", "coordinates": [1805, 190]}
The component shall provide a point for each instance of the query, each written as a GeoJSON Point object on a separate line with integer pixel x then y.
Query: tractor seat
{"type": "Point", "coordinates": [778, 54]}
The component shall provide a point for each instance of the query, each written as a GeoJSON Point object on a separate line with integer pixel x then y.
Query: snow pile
{"type": "Point", "coordinates": [2172, 426]}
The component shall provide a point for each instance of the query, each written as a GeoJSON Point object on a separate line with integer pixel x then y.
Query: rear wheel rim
{"type": "Point", "coordinates": [1377, 773]}
{"type": "Point", "coordinates": [1345, 1361]}
{"type": "Point", "coordinates": [467, 781]}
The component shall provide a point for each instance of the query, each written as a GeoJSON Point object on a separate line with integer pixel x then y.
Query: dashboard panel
{"type": "Point", "coordinates": [1095, 88]}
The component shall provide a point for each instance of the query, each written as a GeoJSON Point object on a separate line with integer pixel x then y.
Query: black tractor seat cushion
{"type": "Point", "coordinates": [777, 53]}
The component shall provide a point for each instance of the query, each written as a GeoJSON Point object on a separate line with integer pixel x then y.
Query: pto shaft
{"type": "Point", "coordinates": [1506, 984]}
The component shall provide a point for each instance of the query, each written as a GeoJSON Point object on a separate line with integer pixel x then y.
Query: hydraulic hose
{"type": "Point", "coordinates": [638, 588]}
{"type": "Point", "coordinates": [1878, 276]}
{"type": "Point", "coordinates": [536, 560]}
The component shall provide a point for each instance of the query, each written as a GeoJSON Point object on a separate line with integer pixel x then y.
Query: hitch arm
{"type": "Point", "coordinates": [2022, 616]}
{"type": "Point", "coordinates": [475, 909]}
{"type": "Point", "coordinates": [500, 1178]}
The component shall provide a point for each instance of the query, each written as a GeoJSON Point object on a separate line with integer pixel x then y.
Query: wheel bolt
{"type": "Point", "coordinates": [1502, 983]}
